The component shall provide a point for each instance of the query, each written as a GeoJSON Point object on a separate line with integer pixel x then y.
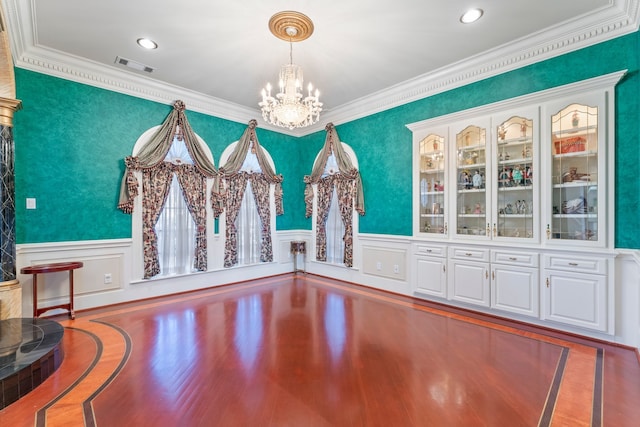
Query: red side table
{"type": "Point", "coordinates": [52, 268]}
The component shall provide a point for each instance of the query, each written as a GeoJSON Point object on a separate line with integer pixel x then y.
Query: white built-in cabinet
{"type": "Point", "coordinates": [513, 207]}
{"type": "Point", "coordinates": [430, 270]}
{"type": "Point", "coordinates": [515, 282]}
{"type": "Point", "coordinates": [469, 272]}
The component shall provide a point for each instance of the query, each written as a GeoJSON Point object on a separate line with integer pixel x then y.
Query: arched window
{"type": "Point", "coordinates": [175, 228]}
{"type": "Point", "coordinates": [333, 192]}
{"type": "Point", "coordinates": [253, 196]}
{"type": "Point", "coordinates": [175, 168]}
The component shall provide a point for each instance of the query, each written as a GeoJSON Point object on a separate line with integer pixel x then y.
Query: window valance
{"type": "Point", "coordinates": [333, 145]}
{"type": "Point", "coordinates": [249, 141]}
{"type": "Point", "coordinates": [153, 153]}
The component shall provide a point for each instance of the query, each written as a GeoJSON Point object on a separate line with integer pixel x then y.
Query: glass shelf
{"type": "Point", "coordinates": [471, 193]}
{"type": "Point", "coordinates": [514, 176]}
{"type": "Point", "coordinates": [432, 184]}
{"type": "Point", "coordinates": [574, 139]}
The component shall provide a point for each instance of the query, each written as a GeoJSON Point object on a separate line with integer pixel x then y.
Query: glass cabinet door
{"type": "Point", "coordinates": [432, 180]}
{"type": "Point", "coordinates": [471, 169]}
{"type": "Point", "coordinates": [575, 180]}
{"type": "Point", "coordinates": [514, 175]}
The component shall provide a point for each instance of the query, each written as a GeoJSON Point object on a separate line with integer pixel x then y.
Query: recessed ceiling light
{"type": "Point", "coordinates": [471, 15]}
{"type": "Point", "coordinates": [147, 43]}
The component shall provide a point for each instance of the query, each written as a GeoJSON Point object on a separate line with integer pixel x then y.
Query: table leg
{"type": "Point", "coordinates": [72, 314]}
{"type": "Point", "coordinates": [35, 295]}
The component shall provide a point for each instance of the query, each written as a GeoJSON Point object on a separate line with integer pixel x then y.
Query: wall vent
{"type": "Point", "coordinates": [133, 64]}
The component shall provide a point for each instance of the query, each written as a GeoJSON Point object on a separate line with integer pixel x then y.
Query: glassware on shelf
{"type": "Point", "coordinates": [514, 174]}
{"type": "Point", "coordinates": [471, 195]}
{"type": "Point", "coordinates": [432, 184]}
{"type": "Point", "coordinates": [574, 138]}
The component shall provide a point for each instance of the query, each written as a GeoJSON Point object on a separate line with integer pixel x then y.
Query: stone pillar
{"type": "Point", "coordinates": [10, 289]}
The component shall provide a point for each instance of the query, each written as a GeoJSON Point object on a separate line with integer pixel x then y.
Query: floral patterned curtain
{"type": "Point", "coordinates": [150, 161]}
{"type": "Point", "coordinates": [345, 189]}
{"type": "Point", "coordinates": [155, 188]}
{"type": "Point", "coordinates": [249, 140]}
{"type": "Point", "coordinates": [332, 144]}
{"type": "Point", "coordinates": [260, 186]}
{"type": "Point", "coordinates": [154, 152]}
{"type": "Point", "coordinates": [325, 194]}
{"type": "Point", "coordinates": [236, 182]}
{"type": "Point", "coordinates": [236, 185]}
{"type": "Point", "coordinates": [348, 188]}
{"type": "Point", "coordinates": [193, 185]}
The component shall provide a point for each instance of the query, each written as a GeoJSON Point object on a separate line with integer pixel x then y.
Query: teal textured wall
{"type": "Point", "coordinates": [383, 143]}
{"type": "Point", "coordinates": [71, 139]}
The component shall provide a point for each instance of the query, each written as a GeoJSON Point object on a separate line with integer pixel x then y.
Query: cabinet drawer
{"type": "Point", "coordinates": [576, 263]}
{"type": "Point", "coordinates": [431, 250]}
{"type": "Point", "coordinates": [525, 259]}
{"type": "Point", "coordinates": [469, 253]}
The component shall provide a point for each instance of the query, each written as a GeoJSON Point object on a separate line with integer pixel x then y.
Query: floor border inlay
{"type": "Point", "coordinates": [41, 415]}
{"type": "Point", "coordinates": [87, 405]}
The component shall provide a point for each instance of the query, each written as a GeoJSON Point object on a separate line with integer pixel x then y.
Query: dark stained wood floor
{"type": "Point", "coordinates": [311, 351]}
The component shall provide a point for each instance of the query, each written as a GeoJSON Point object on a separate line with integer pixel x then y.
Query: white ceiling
{"type": "Point", "coordinates": [364, 56]}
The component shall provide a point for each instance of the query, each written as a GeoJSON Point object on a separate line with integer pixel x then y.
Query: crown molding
{"type": "Point", "coordinates": [604, 82]}
{"type": "Point", "coordinates": [620, 17]}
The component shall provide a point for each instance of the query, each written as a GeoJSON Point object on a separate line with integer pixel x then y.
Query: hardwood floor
{"type": "Point", "coordinates": [311, 351]}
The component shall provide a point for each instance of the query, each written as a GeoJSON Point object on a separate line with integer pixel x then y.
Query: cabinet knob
{"type": "Point", "coordinates": [548, 232]}
{"type": "Point", "coordinates": [468, 254]}
{"type": "Point", "coordinates": [445, 228]}
{"type": "Point", "coordinates": [512, 258]}
{"type": "Point", "coordinates": [488, 230]}
{"type": "Point", "coordinates": [574, 264]}
{"type": "Point", "coordinates": [493, 275]}
{"type": "Point", "coordinates": [547, 282]}
{"type": "Point", "coordinates": [444, 268]}
{"type": "Point", "coordinates": [494, 229]}
{"type": "Point", "coordinates": [486, 274]}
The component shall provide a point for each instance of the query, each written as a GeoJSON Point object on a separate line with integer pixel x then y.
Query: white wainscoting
{"type": "Point", "coordinates": [100, 258]}
{"type": "Point", "coordinates": [628, 297]}
{"type": "Point", "coordinates": [114, 258]}
{"type": "Point", "coordinates": [368, 250]}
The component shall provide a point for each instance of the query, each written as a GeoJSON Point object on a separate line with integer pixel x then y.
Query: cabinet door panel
{"type": "Point", "coordinates": [471, 140]}
{"type": "Point", "coordinates": [515, 289]}
{"type": "Point", "coordinates": [431, 276]}
{"type": "Point", "coordinates": [515, 188]}
{"type": "Point", "coordinates": [470, 282]}
{"type": "Point", "coordinates": [576, 299]}
{"type": "Point", "coordinates": [430, 167]}
{"type": "Point", "coordinates": [577, 180]}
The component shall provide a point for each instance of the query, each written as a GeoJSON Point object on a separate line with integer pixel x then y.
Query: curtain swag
{"type": "Point", "coordinates": [236, 182]}
{"type": "Point", "coordinates": [348, 185]}
{"type": "Point", "coordinates": [156, 179]}
{"type": "Point", "coordinates": [332, 144]}
{"type": "Point", "coordinates": [249, 139]}
{"type": "Point", "coordinates": [153, 153]}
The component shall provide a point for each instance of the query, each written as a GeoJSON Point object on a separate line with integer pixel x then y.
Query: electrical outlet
{"type": "Point", "coordinates": [378, 266]}
{"type": "Point", "coordinates": [396, 268]}
{"type": "Point", "coordinates": [107, 278]}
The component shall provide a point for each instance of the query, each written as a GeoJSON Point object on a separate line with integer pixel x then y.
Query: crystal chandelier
{"type": "Point", "coordinates": [289, 107]}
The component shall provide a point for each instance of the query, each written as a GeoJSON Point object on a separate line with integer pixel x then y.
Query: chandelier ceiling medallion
{"type": "Point", "coordinates": [289, 107]}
